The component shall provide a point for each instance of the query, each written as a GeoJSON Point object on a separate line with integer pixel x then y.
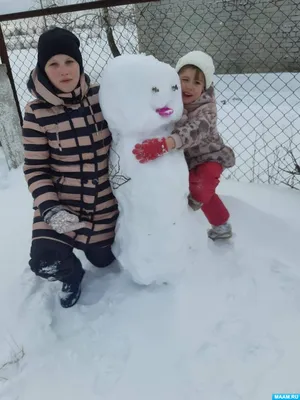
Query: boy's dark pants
{"type": "Point", "coordinates": [56, 261]}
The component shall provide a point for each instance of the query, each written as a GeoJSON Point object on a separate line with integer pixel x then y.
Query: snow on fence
{"type": "Point", "coordinates": [255, 45]}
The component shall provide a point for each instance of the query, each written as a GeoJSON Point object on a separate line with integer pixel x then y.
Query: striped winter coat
{"type": "Point", "coordinates": [66, 144]}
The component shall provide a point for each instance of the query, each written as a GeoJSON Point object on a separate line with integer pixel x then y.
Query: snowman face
{"type": "Point", "coordinates": [140, 96]}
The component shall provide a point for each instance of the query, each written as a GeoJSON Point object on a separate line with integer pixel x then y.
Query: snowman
{"type": "Point", "coordinates": [140, 98]}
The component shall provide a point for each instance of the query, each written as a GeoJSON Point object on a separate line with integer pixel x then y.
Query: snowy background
{"type": "Point", "coordinates": [8, 7]}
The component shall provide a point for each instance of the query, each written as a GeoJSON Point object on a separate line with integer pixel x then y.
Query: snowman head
{"type": "Point", "coordinates": [140, 96]}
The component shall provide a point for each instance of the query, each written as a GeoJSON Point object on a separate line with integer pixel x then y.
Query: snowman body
{"type": "Point", "coordinates": [140, 98]}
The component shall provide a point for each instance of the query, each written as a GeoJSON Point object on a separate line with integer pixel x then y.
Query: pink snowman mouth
{"type": "Point", "coordinates": [165, 111]}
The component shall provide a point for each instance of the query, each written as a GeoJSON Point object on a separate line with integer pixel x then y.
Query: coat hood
{"type": "Point", "coordinates": [41, 88]}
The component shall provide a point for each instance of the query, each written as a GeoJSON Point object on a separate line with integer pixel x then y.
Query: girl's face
{"type": "Point", "coordinates": [63, 72]}
{"type": "Point", "coordinates": [192, 84]}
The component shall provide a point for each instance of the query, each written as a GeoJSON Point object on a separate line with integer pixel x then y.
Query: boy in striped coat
{"type": "Point", "coordinates": [67, 142]}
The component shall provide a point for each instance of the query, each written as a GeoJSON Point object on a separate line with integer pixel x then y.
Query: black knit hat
{"type": "Point", "coordinates": [58, 41]}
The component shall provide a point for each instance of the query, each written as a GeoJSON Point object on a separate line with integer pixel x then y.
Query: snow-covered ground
{"type": "Point", "coordinates": [229, 329]}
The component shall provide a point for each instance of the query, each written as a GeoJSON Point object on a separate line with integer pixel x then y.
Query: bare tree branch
{"type": "Point", "coordinates": [18, 354]}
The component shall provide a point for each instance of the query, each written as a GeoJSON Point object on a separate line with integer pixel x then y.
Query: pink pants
{"type": "Point", "coordinates": [204, 180]}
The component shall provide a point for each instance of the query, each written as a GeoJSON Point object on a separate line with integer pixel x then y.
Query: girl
{"type": "Point", "coordinates": [66, 144]}
{"type": "Point", "coordinates": [197, 134]}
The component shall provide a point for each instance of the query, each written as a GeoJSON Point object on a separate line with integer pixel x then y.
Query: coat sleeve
{"type": "Point", "coordinates": [193, 131]}
{"type": "Point", "coordinates": [37, 163]}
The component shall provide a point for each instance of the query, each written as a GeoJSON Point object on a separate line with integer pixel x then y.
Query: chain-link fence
{"type": "Point", "coordinates": [255, 46]}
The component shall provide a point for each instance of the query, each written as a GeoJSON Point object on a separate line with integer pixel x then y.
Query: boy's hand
{"type": "Point", "coordinates": [151, 149]}
{"type": "Point", "coordinates": [62, 221]}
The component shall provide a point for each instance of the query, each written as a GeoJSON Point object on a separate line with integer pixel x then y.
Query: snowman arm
{"type": "Point", "coordinates": [193, 132]}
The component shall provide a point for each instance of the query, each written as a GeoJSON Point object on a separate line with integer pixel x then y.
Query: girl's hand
{"type": "Point", "coordinates": [151, 149]}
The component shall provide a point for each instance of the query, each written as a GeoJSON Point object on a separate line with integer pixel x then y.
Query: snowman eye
{"type": "Point", "coordinates": [175, 87]}
{"type": "Point", "coordinates": [155, 89]}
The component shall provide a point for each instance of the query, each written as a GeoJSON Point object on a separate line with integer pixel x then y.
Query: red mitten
{"type": "Point", "coordinates": [150, 149]}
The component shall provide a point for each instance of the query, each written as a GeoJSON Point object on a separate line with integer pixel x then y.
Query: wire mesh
{"type": "Point", "coordinates": [255, 46]}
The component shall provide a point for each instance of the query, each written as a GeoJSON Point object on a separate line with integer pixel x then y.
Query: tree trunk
{"type": "Point", "coordinates": [10, 129]}
{"type": "Point", "coordinates": [109, 33]}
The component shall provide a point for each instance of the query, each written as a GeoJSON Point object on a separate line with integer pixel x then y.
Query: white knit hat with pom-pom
{"type": "Point", "coordinates": [201, 60]}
